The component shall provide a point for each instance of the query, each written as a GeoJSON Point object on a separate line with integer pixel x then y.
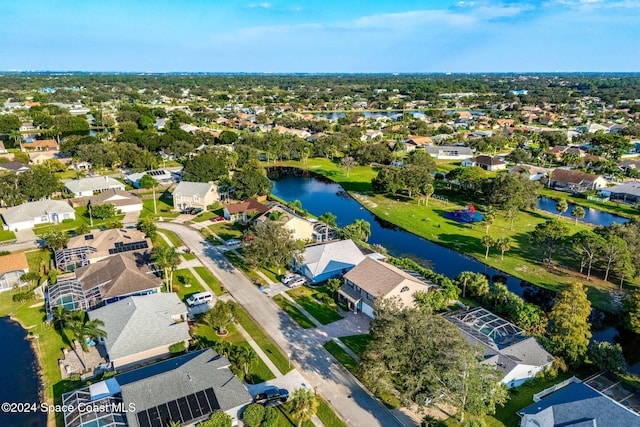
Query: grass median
{"type": "Point", "coordinates": [293, 312]}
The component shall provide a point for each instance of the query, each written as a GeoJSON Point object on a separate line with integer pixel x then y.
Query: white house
{"type": "Point", "coordinates": [162, 177]}
{"type": "Point", "coordinates": [27, 215]}
{"type": "Point", "coordinates": [451, 152]}
{"type": "Point", "coordinates": [487, 163]}
{"type": "Point", "coordinates": [89, 186]}
{"type": "Point", "coordinates": [123, 201]}
{"type": "Point", "coordinates": [327, 260]}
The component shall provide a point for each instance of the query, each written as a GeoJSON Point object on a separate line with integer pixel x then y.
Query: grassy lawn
{"type": "Point", "coordinates": [6, 235]}
{"type": "Point", "coordinates": [259, 372]}
{"type": "Point", "coordinates": [38, 259]}
{"type": "Point", "coordinates": [82, 218]}
{"type": "Point", "coordinates": [521, 261]}
{"type": "Point", "coordinates": [164, 206]}
{"type": "Point", "coordinates": [389, 400]}
{"type": "Point", "coordinates": [209, 237]}
{"type": "Point", "coordinates": [323, 313]}
{"type": "Point", "coordinates": [264, 342]}
{"type": "Point", "coordinates": [357, 343]}
{"type": "Point", "coordinates": [204, 216]}
{"type": "Point", "coordinates": [188, 256]}
{"type": "Point", "coordinates": [173, 238]}
{"type": "Point", "coordinates": [185, 283]}
{"type": "Point", "coordinates": [210, 280]}
{"type": "Point", "coordinates": [239, 262]}
{"type": "Point", "coordinates": [327, 416]}
{"type": "Point", "coordinates": [273, 275]}
{"type": "Point", "coordinates": [228, 230]}
{"type": "Point", "coordinates": [293, 312]}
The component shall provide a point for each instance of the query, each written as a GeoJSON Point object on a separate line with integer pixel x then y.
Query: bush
{"type": "Point", "coordinates": [253, 415]}
{"type": "Point", "coordinates": [270, 418]}
{"type": "Point", "coordinates": [67, 220]}
{"type": "Point", "coordinates": [606, 356]}
{"type": "Point", "coordinates": [218, 419]}
{"type": "Point", "coordinates": [23, 297]}
{"type": "Point", "coordinates": [178, 347]}
{"type": "Point", "coordinates": [429, 421]}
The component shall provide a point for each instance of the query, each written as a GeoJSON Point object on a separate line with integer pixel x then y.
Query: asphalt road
{"type": "Point", "coordinates": [355, 405]}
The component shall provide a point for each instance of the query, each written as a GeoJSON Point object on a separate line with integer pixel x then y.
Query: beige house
{"type": "Point", "coordinates": [300, 228]}
{"type": "Point", "coordinates": [194, 195]}
{"type": "Point", "coordinates": [372, 279]}
{"type": "Point", "coordinates": [12, 267]}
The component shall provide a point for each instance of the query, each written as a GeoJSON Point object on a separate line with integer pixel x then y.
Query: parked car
{"type": "Point", "coordinates": [218, 219]}
{"type": "Point", "coordinates": [199, 298]}
{"type": "Point", "coordinates": [272, 394]}
{"type": "Point", "coordinates": [191, 211]}
{"type": "Point", "coordinates": [299, 281]}
{"type": "Point", "coordinates": [289, 277]}
{"type": "Point", "coordinates": [232, 242]}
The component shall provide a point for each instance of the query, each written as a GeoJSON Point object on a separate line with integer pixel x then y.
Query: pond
{"type": "Point", "coordinates": [319, 195]}
{"type": "Point", "coordinates": [592, 216]}
{"type": "Point", "coordinates": [19, 377]}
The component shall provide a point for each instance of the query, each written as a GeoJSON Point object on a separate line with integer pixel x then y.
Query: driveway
{"type": "Point", "coordinates": [352, 324]}
{"type": "Point", "coordinates": [354, 404]}
{"type": "Point", "coordinates": [292, 381]}
{"type": "Point", "coordinates": [131, 217]}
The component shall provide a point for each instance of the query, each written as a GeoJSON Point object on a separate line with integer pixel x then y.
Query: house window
{"type": "Point", "coordinates": [196, 198]}
{"type": "Point", "coordinates": [369, 297]}
{"type": "Point", "coordinates": [44, 218]}
{"type": "Point", "coordinates": [404, 289]}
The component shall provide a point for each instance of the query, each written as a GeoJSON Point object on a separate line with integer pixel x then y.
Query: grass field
{"type": "Point", "coordinates": [323, 313]}
{"type": "Point", "coordinates": [7, 235]}
{"type": "Point", "coordinates": [173, 238]}
{"type": "Point", "coordinates": [293, 312]}
{"type": "Point", "coordinates": [82, 218]}
{"type": "Point", "coordinates": [239, 262]}
{"type": "Point", "coordinates": [228, 230]}
{"type": "Point", "coordinates": [210, 280]}
{"type": "Point", "coordinates": [522, 261]}
{"type": "Point", "coordinates": [164, 207]}
{"type": "Point", "coordinates": [185, 283]}
{"type": "Point", "coordinates": [357, 343]}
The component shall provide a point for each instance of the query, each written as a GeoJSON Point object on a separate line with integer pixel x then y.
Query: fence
{"type": "Point", "coordinates": [538, 396]}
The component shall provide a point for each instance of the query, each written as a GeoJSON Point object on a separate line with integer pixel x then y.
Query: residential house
{"type": "Point", "coordinates": [99, 244]}
{"type": "Point", "coordinates": [12, 267]}
{"type": "Point", "coordinates": [243, 211]}
{"type": "Point", "coordinates": [625, 165]}
{"type": "Point", "coordinates": [324, 261]}
{"type": "Point", "coordinates": [39, 145]}
{"type": "Point", "coordinates": [142, 328]}
{"type": "Point", "coordinates": [593, 128]}
{"type": "Point", "coordinates": [371, 134]}
{"type": "Point", "coordinates": [186, 390]}
{"type": "Point", "coordinates": [28, 215]}
{"type": "Point", "coordinates": [14, 167]}
{"type": "Point", "coordinates": [575, 181]}
{"type": "Point", "coordinates": [534, 173]}
{"type": "Point", "coordinates": [577, 404]}
{"type": "Point", "coordinates": [627, 192]}
{"type": "Point", "coordinates": [162, 177]}
{"type": "Point", "coordinates": [451, 152]}
{"type": "Point", "coordinates": [123, 201]}
{"type": "Point", "coordinates": [40, 157]}
{"type": "Point", "coordinates": [417, 142]}
{"type": "Point", "coordinates": [86, 187]}
{"type": "Point", "coordinates": [517, 356]}
{"type": "Point", "coordinates": [194, 195]}
{"type": "Point", "coordinates": [559, 150]}
{"type": "Point", "coordinates": [300, 228]}
{"type": "Point", "coordinates": [487, 163]}
{"type": "Point", "coordinates": [119, 276]}
{"type": "Point", "coordinates": [372, 279]}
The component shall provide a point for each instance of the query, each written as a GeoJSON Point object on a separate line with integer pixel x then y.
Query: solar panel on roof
{"type": "Point", "coordinates": [195, 407]}
{"type": "Point", "coordinates": [163, 411]}
{"type": "Point", "coordinates": [143, 419]}
{"type": "Point", "coordinates": [202, 401]}
{"type": "Point", "coordinates": [154, 417]}
{"type": "Point", "coordinates": [127, 247]}
{"type": "Point", "coordinates": [174, 411]}
{"type": "Point", "coordinates": [213, 400]}
{"type": "Point", "coordinates": [88, 237]}
{"type": "Point", "coordinates": [184, 409]}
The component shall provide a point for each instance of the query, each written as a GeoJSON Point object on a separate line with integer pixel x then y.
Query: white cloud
{"type": "Point", "coordinates": [260, 5]}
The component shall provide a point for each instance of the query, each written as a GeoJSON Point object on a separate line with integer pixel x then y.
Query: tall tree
{"type": "Point", "coordinates": [570, 329]}
{"type": "Point", "coordinates": [149, 183]}
{"type": "Point", "coordinates": [614, 252]}
{"type": "Point", "coordinates": [488, 219]}
{"type": "Point", "coordinates": [270, 245]}
{"type": "Point", "coordinates": [304, 405]}
{"type": "Point", "coordinates": [329, 220]}
{"type": "Point", "coordinates": [167, 258]}
{"type": "Point", "coordinates": [488, 242]}
{"type": "Point", "coordinates": [477, 283]}
{"type": "Point", "coordinates": [561, 206]}
{"type": "Point", "coordinates": [56, 239]}
{"type": "Point", "coordinates": [347, 163]}
{"type": "Point", "coordinates": [250, 181]}
{"type": "Point", "coordinates": [548, 234]}
{"type": "Point", "coordinates": [587, 245]}
{"type": "Point", "coordinates": [204, 168]}
{"type": "Point", "coordinates": [631, 310]}
{"type": "Point", "coordinates": [220, 315]}
{"type": "Point", "coordinates": [503, 244]}
{"type": "Point", "coordinates": [578, 213]}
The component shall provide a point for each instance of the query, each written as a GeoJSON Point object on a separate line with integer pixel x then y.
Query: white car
{"type": "Point", "coordinates": [297, 282]}
{"type": "Point", "coordinates": [289, 277]}
{"type": "Point", "coordinates": [232, 242]}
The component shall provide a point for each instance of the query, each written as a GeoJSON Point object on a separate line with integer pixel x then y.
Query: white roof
{"type": "Point", "coordinates": [345, 253]}
{"type": "Point", "coordinates": [186, 188]}
{"type": "Point", "coordinates": [97, 183]}
{"type": "Point", "coordinates": [31, 210]}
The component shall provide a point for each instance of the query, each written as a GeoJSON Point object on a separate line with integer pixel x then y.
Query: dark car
{"type": "Point", "coordinates": [271, 395]}
{"type": "Point", "coordinates": [192, 211]}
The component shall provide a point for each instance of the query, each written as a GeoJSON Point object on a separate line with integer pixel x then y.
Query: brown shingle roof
{"type": "Point", "coordinates": [572, 177]}
{"type": "Point", "coordinates": [378, 278]}
{"type": "Point", "coordinates": [250, 206]}
{"type": "Point", "coordinates": [13, 262]}
{"type": "Point", "coordinates": [121, 274]}
{"type": "Point", "coordinates": [487, 160]}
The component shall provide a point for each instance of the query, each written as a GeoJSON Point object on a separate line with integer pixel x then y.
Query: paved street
{"type": "Point", "coordinates": [333, 382]}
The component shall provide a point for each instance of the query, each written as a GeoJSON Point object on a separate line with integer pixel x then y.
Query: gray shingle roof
{"type": "Point", "coordinates": [180, 376]}
{"type": "Point", "coordinates": [97, 183]}
{"type": "Point", "coordinates": [31, 210]}
{"type": "Point", "coordinates": [379, 278]}
{"type": "Point", "coordinates": [186, 188]}
{"type": "Point", "coordinates": [578, 404]}
{"type": "Point", "coordinates": [334, 256]}
{"type": "Point", "coordinates": [141, 323]}
{"type": "Point", "coordinates": [632, 188]}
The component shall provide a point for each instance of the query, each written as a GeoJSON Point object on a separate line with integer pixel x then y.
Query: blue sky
{"type": "Point", "coordinates": [320, 35]}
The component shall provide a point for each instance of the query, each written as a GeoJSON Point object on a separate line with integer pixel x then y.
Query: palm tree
{"type": "Point", "coordinates": [578, 213]}
{"type": "Point", "coordinates": [363, 228]}
{"type": "Point", "coordinates": [503, 244]}
{"type": "Point", "coordinates": [304, 405]}
{"type": "Point", "coordinates": [427, 191]}
{"type": "Point", "coordinates": [276, 215]}
{"type": "Point", "coordinates": [487, 241]}
{"type": "Point", "coordinates": [245, 357]}
{"type": "Point", "coordinates": [562, 207]}
{"type": "Point", "coordinates": [329, 220]}
{"type": "Point", "coordinates": [61, 317]}
{"type": "Point", "coordinates": [489, 218]}
{"type": "Point", "coordinates": [167, 258]}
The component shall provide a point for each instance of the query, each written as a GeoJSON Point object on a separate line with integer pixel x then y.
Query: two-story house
{"type": "Point", "coordinates": [194, 195]}
{"type": "Point", "coordinates": [372, 279]}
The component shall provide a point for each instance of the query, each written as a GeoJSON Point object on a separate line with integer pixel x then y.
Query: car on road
{"type": "Point", "coordinates": [232, 242]}
{"type": "Point", "coordinates": [299, 281]}
{"type": "Point", "coordinates": [271, 394]}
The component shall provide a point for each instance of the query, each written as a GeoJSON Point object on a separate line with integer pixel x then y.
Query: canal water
{"type": "Point", "coordinates": [319, 195]}
{"type": "Point", "coordinates": [592, 216]}
{"type": "Point", "coordinates": [19, 381]}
